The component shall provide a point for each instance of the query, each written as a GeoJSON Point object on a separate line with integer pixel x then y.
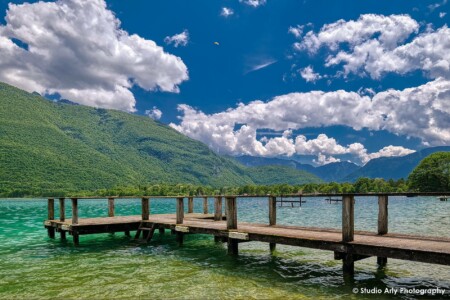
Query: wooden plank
{"type": "Point", "coordinates": [110, 207]}
{"type": "Point", "coordinates": [74, 211]}
{"type": "Point", "coordinates": [231, 212]}
{"type": "Point", "coordinates": [145, 208]}
{"type": "Point", "coordinates": [190, 205]}
{"type": "Point", "coordinates": [218, 208]}
{"type": "Point", "coordinates": [382, 214]}
{"type": "Point", "coordinates": [180, 210]}
{"type": "Point", "coordinates": [348, 218]}
{"type": "Point", "coordinates": [62, 209]}
{"type": "Point", "coordinates": [205, 205]}
{"type": "Point", "coordinates": [272, 210]}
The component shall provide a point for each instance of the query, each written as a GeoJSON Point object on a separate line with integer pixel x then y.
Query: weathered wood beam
{"type": "Point", "coordinates": [190, 205]}
{"type": "Point", "coordinates": [74, 211]}
{"type": "Point", "coordinates": [51, 209]}
{"type": "Point", "coordinates": [348, 218]}
{"type": "Point", "coordinates": [62, 209]}
{"type": "Point", "coordinates": [145, 208]}
{"type": "Point", "coordinates": [110, 207]}
{"type": "Point", "coordinates": [231, 209]}
{"type": "Point", "coordinates": [205, 205]}
{"type": "Point", "coordinates": [218, 208]}
{"type": "Point", "coordinates": [180, 210]}
{"type": "Point", "coordinates": [233, 247]}
{"type": "Point", "coordinates": [382, 223]}
{"type": "Point", "coordinates": [272, 210]}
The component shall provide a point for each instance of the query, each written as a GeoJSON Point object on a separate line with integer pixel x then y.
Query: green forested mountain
{"type": "Point", "coordinates": [57, 146]}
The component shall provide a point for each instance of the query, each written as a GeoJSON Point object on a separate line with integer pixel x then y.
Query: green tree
{"type": "Point", "coordinates": [432, 174]}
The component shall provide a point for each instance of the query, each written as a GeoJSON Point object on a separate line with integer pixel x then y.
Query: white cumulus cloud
{"type": "Point", "coordinates": [375, 45]}
{"type": "Point", "coordinates": [254, 3]}
{"type": "Point", "coordinates": [179, 39]}
{"type": "Point", "coordinates": [154, 113]}
{"type": "Point", "coordinates": [77, 49]}
{"type": "Point", "coordinates": [226, 12]}
{"type": "Point", "coordinates": [309, 75]}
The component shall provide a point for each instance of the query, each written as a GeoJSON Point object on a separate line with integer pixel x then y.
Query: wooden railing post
{"type": "Point", "coordinates": [231, 212]}
{"type": "Point", "coordinates": [218, 208]}
{"type": "Point", "coordinates": [180, 210]}
{"type": "Point", "coordinates": [74, 210]}
{"type": "Point", "coordinates": [62, 209]}
{"type": "Point", "coordinates": [205, 205]}
{"type": "Point", "coordinates": [382, 223]}
{"type": "Point", "coordinates": [110, 207]}
{"type": "Point", "coordinates": [145, 208]}
{"type": "Point", "coordinates": [272, 218]}
{"type": "Point", "coordinates": [272, 210]}
{"type": "Point", "coordinates": [190, 205]}
{"type": "Point", "coordinates": [51, 216]}
{"type": "Point", "coordinates": [51, 209]}
{"type": "Point", "coordinates": [382, 214]}
{"type": "Point", "coordinates": [348, 218]}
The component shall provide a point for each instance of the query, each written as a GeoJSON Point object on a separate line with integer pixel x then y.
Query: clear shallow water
{"type": "Point", "coordinates": [114, 266]}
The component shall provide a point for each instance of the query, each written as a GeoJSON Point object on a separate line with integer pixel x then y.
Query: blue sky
{"type": "Point", "coordinates": [258, 58]}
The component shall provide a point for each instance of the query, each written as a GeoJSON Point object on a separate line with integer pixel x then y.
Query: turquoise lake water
{"type": "Point", "coordinates": [109, 266]}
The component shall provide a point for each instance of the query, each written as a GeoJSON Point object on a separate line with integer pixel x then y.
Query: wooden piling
{"type": "Point", "coordinates": [205, 205]}
{"type": "Point", "coordinates": [348, 265]}
{"type": "Point", "coordinates": [76, 238]}
{"type": "Point", "coordinates": [382, 214]}
{"type": "Point", "coordinates": [348, 218]}
{"type": "Point", "coordinates": [74, 212]}
{"type": "Point", "coordinates": [218, 208]}
{"type": "Point", "coordinates": [62, 209]}
{"type": "Point", "coordinates": [180, 211]}
{"type": "Point", "coordinates": [272, 218]}
{"type": "Point", "coordinates": [127, 233]}
{"type": "Point", "coordinates": [272, 210]}
{"type": "Point", "coordinates": [51, 216]}
{"type": "Point", "coordinates": [231, 212]}
{"type": "Point", "coordinates": [110, 207]}
{"type": "Point", "coordinates": [233, 248]}
{"type": "Point", "coordinates": [145, 208]}
{"type": "Point", "coordinates": [190, 205]}
{"type": "Point", "coordinates": [382, 223]}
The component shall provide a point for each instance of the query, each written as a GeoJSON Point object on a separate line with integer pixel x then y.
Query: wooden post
{"type": "Point", "coordinates": [190, 205]}
{"type": "Point", "coordinates": [161, 230]}
{"type": "Point", "coordinates": [51, 209]}
{"type": "Point", "coordinates": [74, 211]}
{"type": "Point", "coordinates": [272, 218]}
{"type": "Point", "coordinates": [231, 212]}
{"type": "Point", "coordinates": [205, 205]}
{"type": "Point", "coordinates": [382, 223]}
{"type": "Point", "coordinates": [51, 216]}
{"type": "Point", "coordinates": [76, 239]}
{"type": "Point", "coordinates": [348, 218]}
{"type": "Point", "coordinates": [110, 207]}
{"type": "Point", "coordinates": [218, 208]}
{"type": "Point", "coordinates": [127, 233]}
{"type": "Point", "coordinates": [233, 248]}
{"type": "Point", "coordinates": [382, 214]}
{"type": "Point", "coordinates": [180, 210]}
{"type": "Point", "coordinates": [272, 210]}
{"type": "Point", "coordinates": [62, 210]}
{"type": "Point", "coordinates": [145, 208]}
{"type": "Point", "coordinates": [348, 265]}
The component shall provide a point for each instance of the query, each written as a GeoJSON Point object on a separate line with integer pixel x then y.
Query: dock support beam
{"type": "Point", "coordinates": [348, 229]}
{"type": "Point", "coordinates": [180, 217]}
{"type": "Point", "coordinates": [231, 213]}
{"type": "Point", "coordinates": [145, 208]}
{"type": "Point", "coordinates": [272, 218]}
{"type": "Point", "coordinates": [110, 207]}
{"type": "Point", "coordinates": [75, 236]}
{"type": "Point", "coordinates": [51, 216]}
{"type": "Point", "coordinates": [62, 210]}
{"type": "Point", "coordinates": [190, 205]}
{"type": "Point", "coordinates": [382, 223]}
{"type": "Point", "coordinates": [205, 205]}
{"type": "Point", "coordinates": [218, 208]}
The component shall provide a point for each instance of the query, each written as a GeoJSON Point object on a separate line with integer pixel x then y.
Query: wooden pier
{"type": "Point", "coordinates": [347, 244]}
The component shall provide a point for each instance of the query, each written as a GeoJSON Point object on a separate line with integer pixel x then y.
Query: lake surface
{"type": "Point", "coordinates": [109, 266]}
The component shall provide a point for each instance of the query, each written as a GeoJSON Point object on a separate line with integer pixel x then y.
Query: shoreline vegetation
{"type": "Point", "coordinates": [362, 185]}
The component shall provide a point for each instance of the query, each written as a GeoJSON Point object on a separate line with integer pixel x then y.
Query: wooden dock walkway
{"type": "Point", "coordinates": [347, 244]}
